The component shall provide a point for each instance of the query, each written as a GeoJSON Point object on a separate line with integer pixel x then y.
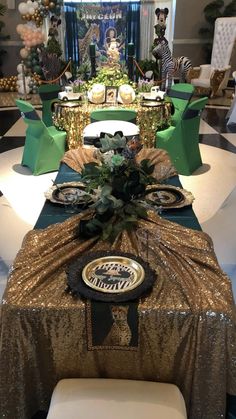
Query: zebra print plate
{"type": "Point", "coordinates": [109, 276]}
{"type": "Point", "coordinates": [113, 274]}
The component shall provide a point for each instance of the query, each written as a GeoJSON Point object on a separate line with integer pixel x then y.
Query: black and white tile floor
{"type": "Point", "coordinates": [213, 185]}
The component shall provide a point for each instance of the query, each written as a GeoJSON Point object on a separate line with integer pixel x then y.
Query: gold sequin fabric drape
{"type": "Point", "coordinates": [163, 168]}
{"type": "Point", "coordinates": [186, 324]}
{"type": "Point", "coordinates": [73, 119]}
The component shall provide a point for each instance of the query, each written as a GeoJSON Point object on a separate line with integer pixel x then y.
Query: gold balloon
{"type": "Point", "coordinates": [51, 5]}
{"type": "Point", "coordinates": [45, 2]}
{"type": "Point", "coordinates": [23, 17]}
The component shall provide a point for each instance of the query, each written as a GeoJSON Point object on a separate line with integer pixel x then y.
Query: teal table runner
{"type": "Point", "coordinates": [54, 213]}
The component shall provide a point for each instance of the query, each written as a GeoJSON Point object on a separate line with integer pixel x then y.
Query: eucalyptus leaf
{"type": "Point", "coordinates": [141, 211]}
{"type": "Point", "coordinates": [117, 203]}
{"type": "Point", "coordinates": [106, 190]}
{"type": "Point", "coordinates": [107, 231]}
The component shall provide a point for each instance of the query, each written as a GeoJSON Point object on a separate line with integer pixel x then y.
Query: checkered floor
{"type": "Point", "coordinates": [213, 185]}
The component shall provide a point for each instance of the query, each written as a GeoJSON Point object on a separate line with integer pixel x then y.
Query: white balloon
{"type": "Point", "coordinates": [19, 68]}
{"type": "Point", "coordinates": [23, 8]}
{"type": "Point", "coordinates": [31, 10]}
{"type": "Point", "coordinates": [30, 3]}
{"type": "Point", "coordinates": [35, 5]}
{"type": "Point", "coordinates": [20, 88]}
{"type": "Point", "coordinates": [31, 25]}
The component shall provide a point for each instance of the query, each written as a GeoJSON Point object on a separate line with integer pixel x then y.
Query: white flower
{"type": "Point", "coordinates": [107, 158]}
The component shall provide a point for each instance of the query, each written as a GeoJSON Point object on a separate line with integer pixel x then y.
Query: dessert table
{"type": "Point", "coordinates": [73, 117]}
{"type": "Point", "coordinates": [184, 328]}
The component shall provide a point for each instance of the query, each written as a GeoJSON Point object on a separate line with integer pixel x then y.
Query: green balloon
{"type": "Point", "coordinates": [28, 63]}
{"type": "Point", "coordinates": [37, 69]}
{"type": "Point", "coordinates": [35, 62]}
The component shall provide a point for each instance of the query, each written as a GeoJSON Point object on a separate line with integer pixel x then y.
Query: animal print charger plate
{"type": "Point", "coordinates": [168, 196]}
{"type": "Point", "coordinates": [69, 193]}
{"type": "Point", "coordinates": [109, 277]}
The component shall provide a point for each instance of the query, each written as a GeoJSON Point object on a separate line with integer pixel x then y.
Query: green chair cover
{"type": "Point", "coordinates": [49, 95]}
{"type": "Point", "coordinates": [182, 141]}
{"type": "Point", "coordinates": [180, 95]}
{"type": "Point", "coordinates": [117, 114]}
{"type": "Point", "coordinates": [44, 146]}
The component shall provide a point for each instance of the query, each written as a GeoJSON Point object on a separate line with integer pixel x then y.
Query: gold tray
{"type": "Point", "coordinates": [113, 274]}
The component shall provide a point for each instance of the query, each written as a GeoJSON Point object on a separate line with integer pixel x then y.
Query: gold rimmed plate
{"type": "Point", "coordinates": [113, 274]}
{"type": "Point", "coordinates": [168, 196]}
{"type": "Point", "coordinates": [109, 276]}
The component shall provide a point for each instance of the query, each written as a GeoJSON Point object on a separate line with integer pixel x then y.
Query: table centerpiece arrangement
{"type": "Point", "coordinates": [117, 181]}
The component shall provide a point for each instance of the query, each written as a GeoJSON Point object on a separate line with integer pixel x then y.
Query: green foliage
{"type": "Point", "coordinates": [112, 143]}
{"type": "Point", "coordinates": [118, 182]}
{"type": "Point", "coordinates": [149, 65]}
{"type": "Point", "coordinates": [53, 47]}
{"type": "Point", "coordinates": [211, 12]}
{"type": "Point", "coordinates": [52, 65]}
{"type": "Point", "coordinates": [84, 70]}
{"type": "Point", "coordinates": [110, 77]}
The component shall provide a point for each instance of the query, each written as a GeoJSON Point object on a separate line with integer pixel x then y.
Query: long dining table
{"type": "Point", "coordinates": [184, 328]}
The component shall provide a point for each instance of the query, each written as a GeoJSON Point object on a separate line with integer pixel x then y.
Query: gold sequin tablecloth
{"type": "Point", "coordinates": [73, 118]}
{"type": "Point", "coordinates": [186, 324]}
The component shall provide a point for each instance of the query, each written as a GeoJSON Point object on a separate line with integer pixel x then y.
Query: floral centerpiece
{"type": "Point", "coordinates": [144, 85]}
{"type": "Point", "coordinates": [110, 77]}
{"type": "Point", "coordinates": [78, 85]}
{"type": "Point", "coordinates": [118, 183]}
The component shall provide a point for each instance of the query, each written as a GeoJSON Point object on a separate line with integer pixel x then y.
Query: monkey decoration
{"type": "Point", "coordinates": [53, 31]}
{"type": "Point", "coordinates": [160, 27]}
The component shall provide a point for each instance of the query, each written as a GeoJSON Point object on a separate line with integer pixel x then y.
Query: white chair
{"type": "Point", "coordinates": [93, 131]}
{"type": "Point", "coordinates": [214, 76]}
{"type": "Point", "coordinates": [231, 115]}
{"type": "Point", "coordinates": [108, 398]}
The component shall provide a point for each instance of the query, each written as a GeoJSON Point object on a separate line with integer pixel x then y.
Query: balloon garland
{"type": "Point", "coordinates": [8, 84]}
{"type": "Point", "coordinates": [33, 14]}
{"type": "Point", "coordinates": [33, 38]}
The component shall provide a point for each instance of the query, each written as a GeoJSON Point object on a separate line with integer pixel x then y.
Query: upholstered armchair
{"type": "Point", "coordinates": [213, 78]}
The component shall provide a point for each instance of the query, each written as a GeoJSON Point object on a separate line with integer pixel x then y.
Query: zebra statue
{"type": "Point", "coordinates": [170, 66]}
